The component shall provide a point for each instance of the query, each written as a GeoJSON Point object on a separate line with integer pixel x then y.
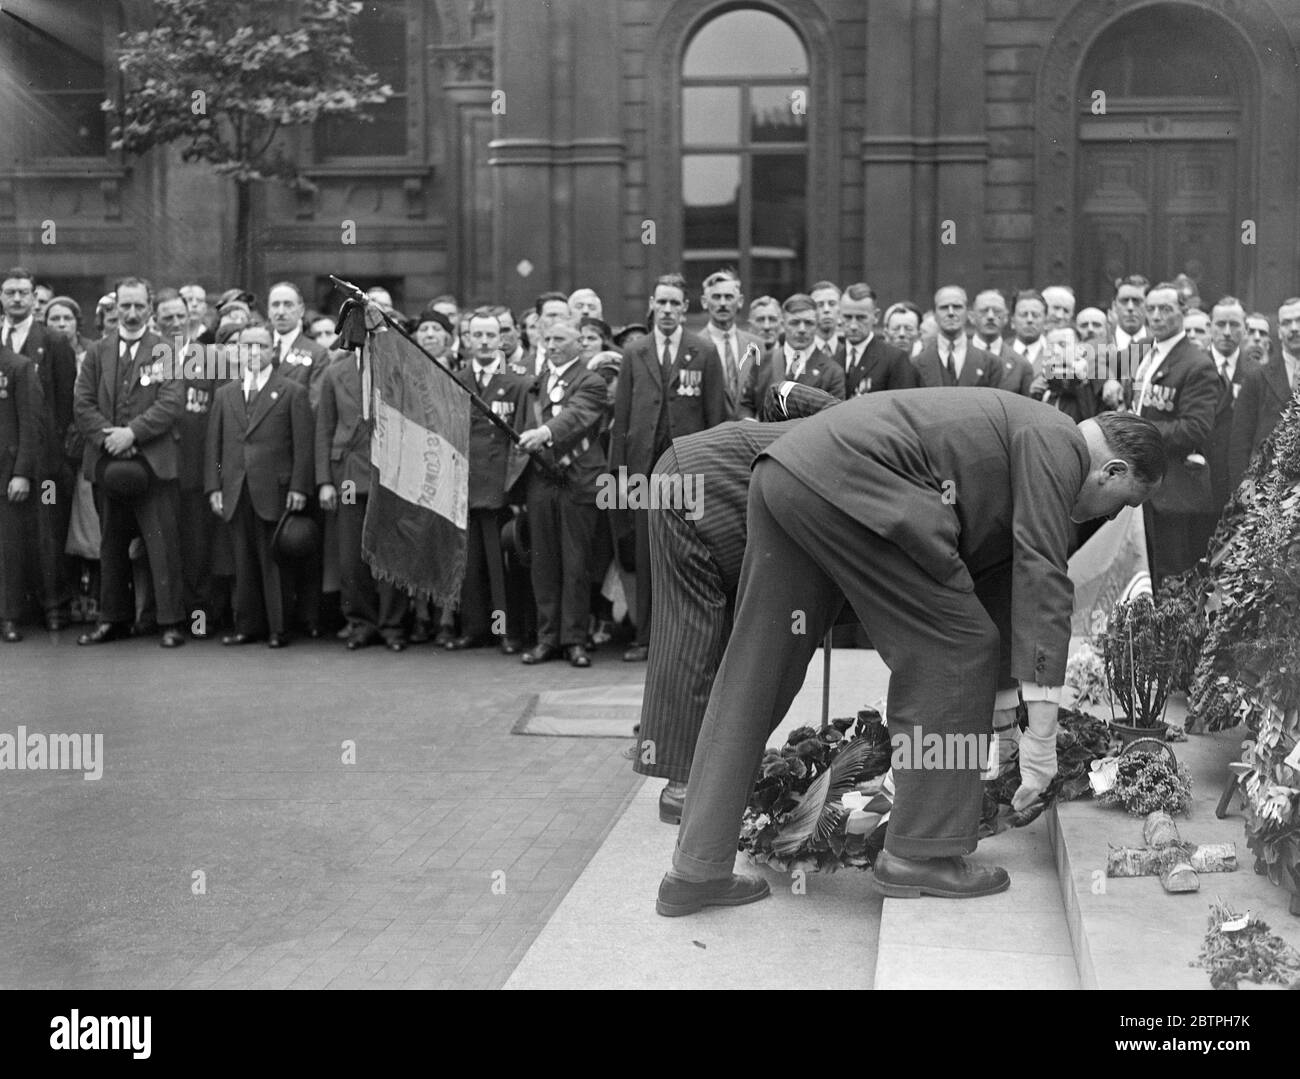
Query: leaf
{"type": "Point", "coordinates": [824, 793]}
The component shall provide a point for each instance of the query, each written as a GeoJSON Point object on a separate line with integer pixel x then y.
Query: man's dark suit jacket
{"type": "Point", "coordinates": [1182, 403]}
{"type": "Point", "coordinates": [200, 390]}
{"type": "Point", "coordinates": [56, 368]}
{"type": "Point", "coordinates": [490, 448]}
{"type": "Point", "coordinates": [307, 361]}
{"type": "Point", "coordinates": [818, 370]}
{"type": "Point", "coordinates": [267, 451]}
{"type": "Point", "coordinates": [967, 482]}
{"type": "Point", "coordinates": [575, 429]}
{"type": "Point", "coordinates": [978, 369]}
{"type": "Point", "coordinates": [342, 436]}
{"type": "Point", "coordinates": [1264, 394]}
{"type": "Point", "coordinates": [882, 367]}
{"type": "Point", "coordinates": [1218, 451]}
{"type": "Point", "coordinates": [1010, 371]}
{"type": "Point", "coordinates": [648, 414]}
{"type": "Point", "coordinates": [153, 407]}
{"type": "Point", "coordinates": [20, 421]}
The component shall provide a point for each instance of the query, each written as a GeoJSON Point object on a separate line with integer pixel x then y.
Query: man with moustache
{"type": "Point", "coordinates": [54, 362]}
{"type": "Point", "coordinates": [951, 359]}
{"type": "Point", "coordinates": [738, 349]}
{"type": "Point", "coordinates": [260, 463]}
{"type": "Point", "coordinates": [796, 359]}
{"type": "Point", "coordinates": [20, 451]}
{"type": "Point", "coordinates": [671, 384]}
{"type": "Point", "coordinates": [1014, 373]}
{"type": "Point", "coordinates": [1059, 300]}
{"type": "Point", "coordinates": [584, 303]}
{"type": "Point", "coordinates": [1266, 390]}
{"type": "Point", "coordinates": [849, 504]}
{"type": "Point", "coordinates": [127, 404]}
{"type": "Point", "coordinates": [567, 404]}
{"type": "Point", "coordinates": [1177, 388]}
{"type": "Point", "coordinates": [871, 363]}
{"type": "Point", "coordinates": [485, 590]}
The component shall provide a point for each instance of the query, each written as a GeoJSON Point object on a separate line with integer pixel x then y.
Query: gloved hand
{"type": "Point", "coordinates": [1037, 754]}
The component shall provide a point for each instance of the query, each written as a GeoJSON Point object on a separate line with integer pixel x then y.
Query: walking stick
{"type": "Point", "coordinates": [826, 677]}
{"type": "Point", "coordinates": [556, 475]}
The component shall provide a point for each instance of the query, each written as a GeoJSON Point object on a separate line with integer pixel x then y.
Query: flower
{"type": "Point", "coordinates": [829, 736]}
{"type": "Point", "coordinates": [799, 734]}
{"type": "Point", "coordinates": [777, 767]}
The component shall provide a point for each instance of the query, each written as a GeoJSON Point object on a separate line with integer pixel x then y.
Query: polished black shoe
{"type": "Point", "coordinates": [636, 654]}
{"type": "Point", "coordinates": [362, 638]}
{"type": "Point", "coordinates": [540, 653]}
{"type": "Point", "coordinates": [460, 643]}
{"type": "Point", "coordinates": [510, 647]}
{"type": "Point", "coordinates": [103, 633]}
{"type": "Point", "coordinates": [577, 656]}
{"type": "Point", "coordinates": [671, 800]}
{"type": "Point", "coordinates": [678, 897]}
{"type": "Point", "coordinates": [444, 637]}
{"type": "Point", "coordinates": [9, 632]}
{"type": "Point", "coordinates": [172, 638]}
{"type": "Point", "coordinates": [395, 644]}
{"type": "Point", "coordinates": [947, 878]}
{"type": "Point", "coordinates": [346, 632]}
{"type": "Point", "coordinates": [240, 638]}
{"type": "Point", "coordinates": [277, 640]}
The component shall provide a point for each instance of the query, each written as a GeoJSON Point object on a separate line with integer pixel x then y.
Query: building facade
{"type": "Point", "coordinates": [908, 143]}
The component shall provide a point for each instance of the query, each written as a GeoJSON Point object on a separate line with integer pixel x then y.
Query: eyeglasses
{"type": "Point", "coordinates": [15, 292]}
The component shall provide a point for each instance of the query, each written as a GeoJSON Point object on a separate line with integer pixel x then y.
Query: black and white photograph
{"type": "Point", "coordinates": [650, 495]}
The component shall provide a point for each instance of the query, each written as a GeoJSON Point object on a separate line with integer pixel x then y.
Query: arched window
{"type": "Point", "coordinates": [380, 43]}
{"type": "Point", "coordinates": [56, 55]}
{"type": "Point", "coordinates": [744, 152]}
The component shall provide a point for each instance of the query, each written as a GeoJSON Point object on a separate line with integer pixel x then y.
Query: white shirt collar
{"type": "Point", "coordinates": [261, 377]}
{"type": "Point", "coordinates": [674, 342]}
{"type": "Point", "coordinates": [285, 342]}
{"type": "Point", "coordinates": [1292, 365]}
{"type": "Point", "coordinates": [124, 338]}
{"type": "Point", "coordinates": [792, 354]}
{"type": "Point", "coordinates": [1123, 340]}
{"type": "Point", "coordinates": [853, 353]}
{"type": "Point", "coordinates": [25, 325]}
{"type": "Point", "coordinates": [830, 344]}
{"type": "Point", "coordinates": [490, 370]}
{"type": "Point", "coordinates": [1163, 348]}
{"type": "Point", "coordinates": [1228, 362]}
{"type": "Point", "coordinates": [556, 372]}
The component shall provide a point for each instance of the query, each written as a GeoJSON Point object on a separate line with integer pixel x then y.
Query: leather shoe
{"type": "Point", "coordinates": [362, 638]}
{"type": "Point", "coordinates": [103, 633]}
{"type": "Point", "coordinates": [444, 637]}
{"type": "Point", "coordinates": [510, 647]}
{"type": "Point", "coordinates": [346, 632]}
{"type": "Point", "coordinates": [678, 897]}
{"type": "Point", "coordinates": [172, 638]}
{"type": "Point", "coordinates": [9, 632]}
{"type": "Point", "coordinates": [671, 800]}
{"type": "Point", "coordinates": [577, 656]}
{"type": "Point", "coordinates": [541, 653]}
{"type": "Point", "coordinates": [395, 644]}
{"type": "Point", "coordinates": [948, 878]}
{"type": "Point", "coordinates": [239, 638]}
{"type": "Point", "coordinates": [460, 643]}
{"type": "Point", "coordinates": [636, 654]}
{"type": "Point", "coordinates": [277, 640]}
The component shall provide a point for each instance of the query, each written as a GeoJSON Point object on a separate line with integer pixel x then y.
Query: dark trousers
{"type": "Point", "coordinates": [561, 532]}
{"type": "Point", "coordinates": [644, 575]}
{"type": "Point", "coordinates": [16, 527]}
{"type": "Point", "coordinates": [198, 525]}
{"type": "Point", "coordinates": [484, 592]}
{"type": "Point", "coordinates": [306, 577]}
{"type": "Point", "coordinates": [367, 603]}
{"type": "Point", "coordinates": [261, 598]}
{"type": "Point", "coordinates": [686, 645]}
{"type": "Point", "coordinates": [52, 517]}
{"type": "Point", "coordinates": [941, 647]}
{"type": "Point", "coordinates": [1174, 542]}
{"type": "Point", "coordinates": [152, 517]}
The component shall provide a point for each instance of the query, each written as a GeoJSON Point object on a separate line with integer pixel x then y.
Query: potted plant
{"type": "Point", "coordinates": [1141, 651]}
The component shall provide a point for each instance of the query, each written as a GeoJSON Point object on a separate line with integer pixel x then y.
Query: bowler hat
{"type": "Point", "coordinates": [295, 537]}
{"type": "Point", "coordinates": [516, 538]}
{"type": "Point", "coordinates": [793, 400]}
{"type": "Point", "coordinates": [122, 477]}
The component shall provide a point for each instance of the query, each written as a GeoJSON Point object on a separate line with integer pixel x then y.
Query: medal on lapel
{"type": "Point", "coordinates": [688, 384]}
{"type": "Point", "coordinates": [557, 393]}
{"type": "Point", "coordinates": [4, 387]}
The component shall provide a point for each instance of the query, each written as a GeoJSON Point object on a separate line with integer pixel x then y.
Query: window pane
{"type": "Point", "coordinates": [1161, 51]}
{"type": "Point", "coordinates": [746, 43]}
{"type": "Point", "coordinates": [711, 114]}
{"type": "Point", "coordinates": [779, 229]}
{"type": "Point", "coordinates": [379, 42]}
{"type": "Point", "coordinates": [778, 113]}
{"type": "Point", "coordinates": [711, 198]}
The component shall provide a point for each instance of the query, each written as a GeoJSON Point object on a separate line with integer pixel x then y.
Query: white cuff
{"type": "Point", "coordinates": [1032, 691]}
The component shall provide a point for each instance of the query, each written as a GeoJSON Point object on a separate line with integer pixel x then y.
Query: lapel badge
{"type": "Point", "coordinates": [275, 395]}
{"type": "Point", "coordinates": [557, 393]}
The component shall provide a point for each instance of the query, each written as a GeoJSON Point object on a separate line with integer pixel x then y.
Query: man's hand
{"type": "Point", "coordinates": [295, 502]}
{"type": "Point", "coordinates": [1112, 393]}
{"type": "Point", "coordinates": [19, 488]}
{"type": "Point", "coordinates": [328, 496]}
{"type": "Point", "coordinates": [118, 440]}
{"type": "Point", "coordinates": [214, 500]}
{"type": "Point", "coordinates": [1038, 387]}
{"type": "Point", "coordinates": [1037, 753]}
{"type": "Point", "coordinates": [538, 438]}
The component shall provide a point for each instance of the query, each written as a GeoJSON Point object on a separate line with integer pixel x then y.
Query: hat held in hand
{"type": "Point", "coordinates": [296, 537]}
{"type": "Point", "coordinates": [122, 477]}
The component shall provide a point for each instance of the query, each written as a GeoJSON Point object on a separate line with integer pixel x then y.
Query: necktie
{"type": "Point", "coordinates": [483, 380]}
{"type": "Point", "coordinates": [948, 367]}
{"type": "Point", "coordinates": [253, 391]}
{"type": "Point", "coordinates": [730, 359]}
{"type": "Point", "coordinates": [666, 362]}
{"type": "Point", "coordinates": [8, 335]}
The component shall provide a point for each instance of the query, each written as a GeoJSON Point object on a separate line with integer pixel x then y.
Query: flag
{"type": "Point", "coordinates": [1110, 567]}
{"type": "Point", "coordinates": [415, 529]}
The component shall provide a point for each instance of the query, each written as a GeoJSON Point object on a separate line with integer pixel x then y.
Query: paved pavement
{"type": "Point", "coordinates": [315, 872]}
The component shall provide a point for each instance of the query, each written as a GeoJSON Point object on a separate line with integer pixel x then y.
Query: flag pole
{"type": "Point", "coordinates": [556, 475]}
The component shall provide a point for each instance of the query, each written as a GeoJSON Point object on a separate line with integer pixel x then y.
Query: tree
{"type": "Point", "coordinates": [225, 77]}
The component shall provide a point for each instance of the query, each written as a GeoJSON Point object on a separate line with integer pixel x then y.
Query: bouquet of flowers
{"type": "Point", "coordinates": [1147, 783]}
{"type": "Point", "coordinates": [823, 799]}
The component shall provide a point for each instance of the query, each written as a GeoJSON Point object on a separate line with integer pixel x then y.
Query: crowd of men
{"type": "Point", "coordinates": [145, 497]}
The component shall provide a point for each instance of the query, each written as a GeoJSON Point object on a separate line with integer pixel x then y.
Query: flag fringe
{"type": "Point", "coordinates": [441, 598]}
